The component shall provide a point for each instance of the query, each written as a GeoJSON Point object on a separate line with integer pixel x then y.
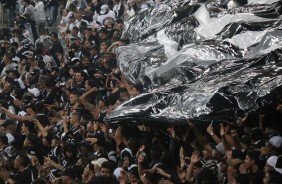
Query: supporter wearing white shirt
{"type": "Point", "coordinates": [105, 12]}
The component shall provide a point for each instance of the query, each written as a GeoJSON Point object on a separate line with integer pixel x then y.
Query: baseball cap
{"type": "Point", "coordinates": [99, 161]}
{"type": "Point", "coordinates": [54, 34]}
{"type": "Point", "coordinates": [104, 8]}
{"type": "Point", "coordinates": [4, 139]}
{"type": "Point", "coordinates": [34, 91]}
{"type": "Point", "coordinates": [272, 161]}
{"type": "Point", "coordinates": [276, 141]}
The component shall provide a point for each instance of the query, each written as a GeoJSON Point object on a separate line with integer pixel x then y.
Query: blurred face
{"type": "Point", "coordinates": [78, 77]}
{"type": "Point", "coordinates": [106, 172]}
{"type": "Point", "coordinates": [65, 12]}
{"type": "Point", "coordinates": [101, 104]}
{"type": "Point", "coordinates": [78, 15]}
{"type": "Point", "coordinates": [85, 62]}
{"type": "Point", "coordinates": [87, 86]}
{"type": "Point", "coordinates": [73, 99]}
{"type": "Point", "coordinates": [7, 88]}
{"type": "Point", "coordinates": [87, 44]}
{"type": "Point", "coordinates": [71, 72]}
{"type": "Point", "coordinates": [249, 162]}
{"type": "Point", "coordinates": [73, 119]}
{"type": "Point", "coordinates": [24, 129]}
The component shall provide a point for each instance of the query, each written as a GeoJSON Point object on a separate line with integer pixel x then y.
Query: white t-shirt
{"type": "Point", "coordinates": [39, 12]}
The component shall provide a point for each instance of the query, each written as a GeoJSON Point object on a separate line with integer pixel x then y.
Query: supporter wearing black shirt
{"type": "Point", "coordinates": [56, 47]}
{"type": "Point", "coordinates": [24, 174]}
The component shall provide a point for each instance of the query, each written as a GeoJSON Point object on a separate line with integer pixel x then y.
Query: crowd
{"type": "Point", "coordinates": [56, 88]}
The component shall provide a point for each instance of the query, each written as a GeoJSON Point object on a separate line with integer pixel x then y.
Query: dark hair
{"type": "Point", "coordinates": [254, 155]}
{"type": "Point", "coordinates": [24, 160]}
{"type": "Point", "coordinates": [30, 126]}
{"type": "Point", "coordinates": [108, 165]}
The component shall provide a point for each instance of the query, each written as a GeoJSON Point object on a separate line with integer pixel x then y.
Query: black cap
{"type": "Point", "coordinates": [4, 139]}
{"type": "Point", "coordinates": [54, 34]}
{"type": "Point", "coordinates": [103, 30]}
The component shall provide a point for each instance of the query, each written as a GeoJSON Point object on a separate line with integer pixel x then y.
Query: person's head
{"type": "Point", "coordinates": [79, 76]}
{"type": "Point", "coordinates": [21, 162]}
{"type": "Point", "coordinates": [274, 145]}
{"type": "Point", "coordinates": [252, 159]}
{"type": "Point", "coordinates": [27, 127]}
{"type": "Point", "coordinates": [78, 15]}
{"type": "Point", "coordinates": [89, 84]}
{"type": "Point", "coordinates": [7, 59]}
{"type": "Point", "coordinates": [88, 170]}
{"type": "Point", "coordinates": [70, 150]}
{"type": "Point", "coordinates": [75, 118]}
{"type": "Point", "coordinates": [53, 37]}
{"type": "Point", "coordinates": [69, 175]}
{"type": "Point", "coordinates": [107, 169]}
{"type": "Point", "coordinates": [74, 31]}
{"type": "Point", "coordinates": [85, 61]}
{"type": "Point", "coordinates": [97, 165]}
{"type": "Point", "coordinates": [65, 12]}
{"type": "Point", "coordinates": [30, 140]}
{"type": "Point", "coordinates": [74, 98]}
{"type": "Point", "coordinates": [8, 87]}
{"type": "Point", "coordinates": [103, 33]}
{"type": "Point", "coordinates": [124, 95]}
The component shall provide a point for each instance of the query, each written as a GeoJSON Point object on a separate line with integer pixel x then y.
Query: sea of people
{"type": "Point", "coordinates": [58, 86]}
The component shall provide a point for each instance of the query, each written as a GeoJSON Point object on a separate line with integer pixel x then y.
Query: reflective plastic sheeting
{"type": "Point", "coordinates": [212, 63]}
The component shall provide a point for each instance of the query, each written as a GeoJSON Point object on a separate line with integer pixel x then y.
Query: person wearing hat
{"type": "Point", "coordinates": [56, 47]}
{"type": "Point", "coordinates": [105, 12]}
{"type": "Point", "coordinates": [272, 147]}
{"type": "Point", "coordinates": [97, 165]}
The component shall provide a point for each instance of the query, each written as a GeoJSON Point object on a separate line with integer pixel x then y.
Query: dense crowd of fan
{"type": "Point", "coordinates": [56, 89]}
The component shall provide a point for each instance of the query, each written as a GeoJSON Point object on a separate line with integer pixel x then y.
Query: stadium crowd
{"type": "Point", "coordinates": [56, 89]}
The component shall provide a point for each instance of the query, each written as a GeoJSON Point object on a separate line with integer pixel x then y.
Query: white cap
{"type": "Point", "coordinates": [34, 91]}
{"type": "Point", "coordinates": [117, 172]}
{"type": "Point", "coordinates": [276, 141]}
{"type": "Point", "coordinates": [104, 8]}
{"type": "Point", "coordinates": [272, 161]}
{"type": "Point", "coordinates": [99, 161]}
